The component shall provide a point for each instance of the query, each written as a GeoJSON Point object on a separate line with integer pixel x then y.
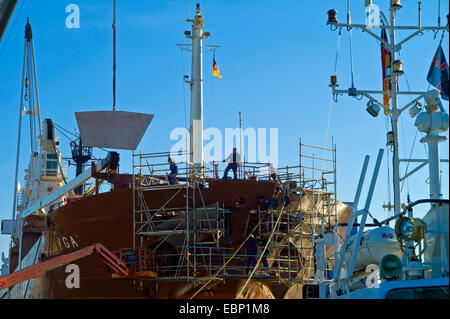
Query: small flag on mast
{"type": "Point", "coordinates": [438, 73]}
{"type": "Point", "coordinates": [215, 70]}
{"type": "Point", "coordinates": [386, 63]}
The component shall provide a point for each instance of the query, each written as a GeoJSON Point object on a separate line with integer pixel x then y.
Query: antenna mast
{"type": "Point", "coordinates": [395, 72]}
{"type": "Point", "coordinates": [196, 123]}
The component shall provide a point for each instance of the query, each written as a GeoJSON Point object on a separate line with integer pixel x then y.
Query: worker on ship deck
{"type": "Point", "coordinates": [233, 161]}
{"type": "Point", "coordinates": [272, 172]}
{"type": "Point", "coordinates": [252, 253]}
{"type": "Point", "coordinates": [173, 171]}
{"type": "Point", "coordinates": [266, 204]}
{"type": "Point", "coordinates": [266, 254]}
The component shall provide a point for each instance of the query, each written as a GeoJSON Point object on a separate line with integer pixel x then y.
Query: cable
{"type": "Point", "coordinates": [337, 51]}
{"type": "Point", "coordinates": [410, 155]}
{"type": "Point", "coordinates": [388, 167]}
{"type": "Point", "coordinates": [351, 57]}
{"type": "Point", "coordinates": [439, 13]}
{"type": "Point", "coordinates": [263, 252]}
{"type": "Point", "coordinates": [351, 42]}
{"type": "Point", "coordinates": [12, 28]}
{"type": "Point", "coordinates": [330, 107]}
{"type": "Point", "coordinates": [184, 88]}
{"type": "Point", "coordinates": [62, 128]}
{"type": "Point", "coordinates": [227, 262]}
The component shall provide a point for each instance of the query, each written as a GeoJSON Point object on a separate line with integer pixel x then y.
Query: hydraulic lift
{"type": "Point", "coordinates": [119, 268]}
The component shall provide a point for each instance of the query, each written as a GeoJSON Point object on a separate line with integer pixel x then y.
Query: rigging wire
{"type": "Point", "coordinates": [407, 165]}
{"type": "Point", "coordinates": [60, 129]}
{"type": "Point", "coordinates": [330, 107]}
{"type": "Point", "coordinates": [211, 82]}
{"type": "Point", "coordinates": [184, 87]}
{"type": "Point", "coordinates": [403, 136]}
{"type": "Point", "coordinates": [184, 100]}
{"type": "Point", "coordinates": [388, 166]}
{"type": "Point", "coordinates": [415, 137]}
{"type": "Point", "coordinates": [337, 51]}
{"type": "Point", "coordinates": [12, 28]}
{"type": "Point", "coordinates": [439, 13]}
{"type": "Point", "coordinates": [351, 42]}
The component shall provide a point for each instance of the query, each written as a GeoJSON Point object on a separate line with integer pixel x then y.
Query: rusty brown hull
{"type": "Point", "coordinates": [107, 218]}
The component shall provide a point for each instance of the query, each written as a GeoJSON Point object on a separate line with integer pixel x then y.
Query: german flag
{"type": "Point", "coordinates": [386, 63]}
{"type": "Point", "coordinates": [215, 70]}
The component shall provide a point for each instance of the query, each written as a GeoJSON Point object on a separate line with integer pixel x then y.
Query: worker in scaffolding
{"type": "Point", "coordinates": [263, 242]}
{"type": "Point", "coordinates": [265, 204]}
{"type": "Point", "coordinates": [233, 161]}
{"type": "Point", "coordinates": [173, 171]}
{"type": "Point", "coordinates": [272, 172]}
{"type": "Point", "coordinates": [251, 250]}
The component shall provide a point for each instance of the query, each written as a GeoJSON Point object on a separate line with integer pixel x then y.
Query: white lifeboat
{"type": "Point", "coordinates": [373, 246]}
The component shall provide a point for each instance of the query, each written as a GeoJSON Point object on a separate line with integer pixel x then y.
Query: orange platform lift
{"type": "Point", "coordinates": [119, 268]}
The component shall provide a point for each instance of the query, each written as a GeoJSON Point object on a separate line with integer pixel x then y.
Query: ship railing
{"type": "Point", "coordinates": [62, 202]}
{"type": "Point", "coordinates": [139, 261]}
{"type": "Point", "coordinates": [153, 169]}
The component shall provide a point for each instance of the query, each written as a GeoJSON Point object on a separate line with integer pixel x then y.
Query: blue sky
{"type": "Point", "coordinates": [275, 57]}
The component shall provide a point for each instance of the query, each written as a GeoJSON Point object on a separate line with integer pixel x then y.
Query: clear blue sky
{"type": "Point", "coordinates": [275, 57]}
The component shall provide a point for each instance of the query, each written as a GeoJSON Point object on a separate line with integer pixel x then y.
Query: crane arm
{"type": "Point", "coordinates": [118, 267]}
{"type": "Point", "coordinates": [6, 11]}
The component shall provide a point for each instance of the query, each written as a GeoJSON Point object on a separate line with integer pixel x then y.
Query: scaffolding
{"type": "Point", "coordinates": [285, 238]}
{"type": "Point", "coordinates": [319, 185]}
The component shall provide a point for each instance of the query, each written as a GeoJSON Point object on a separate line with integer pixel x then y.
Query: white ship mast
{"type": "Point", "coordinates": [196, 122]}
{"type": "Point", "coordinates": [196, 85]}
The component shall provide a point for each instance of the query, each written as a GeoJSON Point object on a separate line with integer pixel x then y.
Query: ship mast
{"type": "Point", "coordinates": [197, 35]}
{"type": "Point", "coordinates": [395, 72]}
{"type": "Point", "coordinates": [394, 116]}
{"type": "Point", "coordinates": [196, 122]}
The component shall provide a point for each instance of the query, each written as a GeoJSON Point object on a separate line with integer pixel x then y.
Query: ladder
{"type": "Point", "coordinates": [354, 215]}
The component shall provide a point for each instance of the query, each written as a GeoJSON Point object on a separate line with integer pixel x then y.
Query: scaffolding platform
{"type": "Point", "coordinates": [286, 237]}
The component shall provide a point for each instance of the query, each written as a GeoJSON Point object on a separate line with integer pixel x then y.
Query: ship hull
{"type": "Point", "coordinates": [107, 218]}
